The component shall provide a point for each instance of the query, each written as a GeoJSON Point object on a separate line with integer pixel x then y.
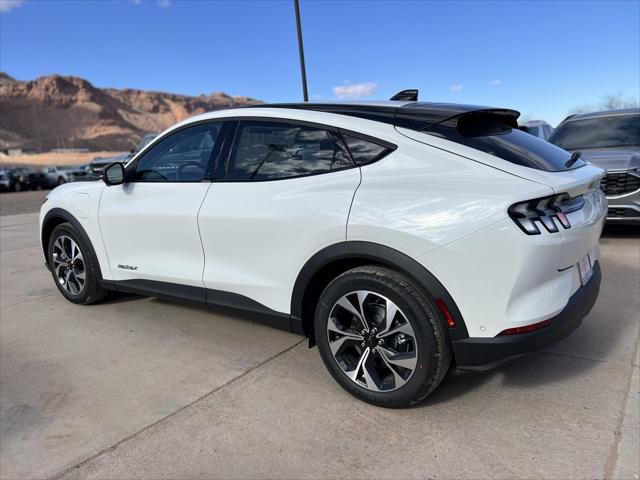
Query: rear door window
{"type": "Point", "coordinates": [277, 150]}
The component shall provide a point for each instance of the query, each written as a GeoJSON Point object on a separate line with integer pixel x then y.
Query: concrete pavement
{"type": "Point", "coordinates": [142, 388]}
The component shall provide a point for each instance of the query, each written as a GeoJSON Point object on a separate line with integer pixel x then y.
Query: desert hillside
{"type": "Point", "coordinates": [69, 112]}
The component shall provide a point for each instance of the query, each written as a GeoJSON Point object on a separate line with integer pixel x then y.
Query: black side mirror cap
{"type": "Point", "coordinates": [113, 174]}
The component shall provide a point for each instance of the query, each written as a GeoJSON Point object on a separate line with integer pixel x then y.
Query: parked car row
{"type": "Point", "coordinates": [26, 178]}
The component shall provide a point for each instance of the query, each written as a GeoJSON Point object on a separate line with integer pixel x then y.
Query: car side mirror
{"type": "Point", "coordinates": [113, 174]}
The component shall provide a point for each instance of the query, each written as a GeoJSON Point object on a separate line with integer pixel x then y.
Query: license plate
{"type": "Point", "coordinates": [584, 266]}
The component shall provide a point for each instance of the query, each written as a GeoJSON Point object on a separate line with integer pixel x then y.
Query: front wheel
{"type": "Point", "coordinates": [74, 266]}
{"type": "Point", "coordinates": [380, 337]}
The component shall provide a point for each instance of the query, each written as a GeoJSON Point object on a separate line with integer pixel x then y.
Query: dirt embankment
{"type": "Point", "coordinates": [70, 112]}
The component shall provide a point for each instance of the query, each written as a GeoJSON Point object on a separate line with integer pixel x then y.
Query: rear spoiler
{"type": "Point", "coordinates": [467, 121]}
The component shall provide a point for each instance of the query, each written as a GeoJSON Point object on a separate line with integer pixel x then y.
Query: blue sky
{"type": "Point", "coordinates": [542, 58]}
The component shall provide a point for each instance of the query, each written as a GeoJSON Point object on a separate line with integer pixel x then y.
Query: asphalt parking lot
{"type": "Point", "coordinates": [142, 388]}
{"type": "Point", "coordinates": [13, 203]}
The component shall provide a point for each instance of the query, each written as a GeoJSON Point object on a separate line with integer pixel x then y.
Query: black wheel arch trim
{"type": "Point", "coordinates": [60, 213]}
{"type": "Point", "coordinates": [378, 254]}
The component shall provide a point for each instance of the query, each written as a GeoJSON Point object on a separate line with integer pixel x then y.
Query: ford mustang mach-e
{"type": "Point", "coordinates": [401, 237]}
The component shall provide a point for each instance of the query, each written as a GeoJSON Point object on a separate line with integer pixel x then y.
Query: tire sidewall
{"type": "Point", "coordinates": [421, 320]}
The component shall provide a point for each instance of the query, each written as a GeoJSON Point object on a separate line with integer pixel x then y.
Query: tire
{"type": "Point", "coordinates": [416, 337]}
{"type": "Point", "coordinates": [61, 181]}
{"type": "Point", "coordinates": [17, 187]}
{"type": "Point", "coordinates": [63, 238]}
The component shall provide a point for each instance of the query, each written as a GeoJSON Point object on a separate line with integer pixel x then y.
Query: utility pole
{"type": "Point", "coordinates": [301, 50]}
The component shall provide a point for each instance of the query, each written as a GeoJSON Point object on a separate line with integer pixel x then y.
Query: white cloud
{"type": "Point", "coordinates": [163, 3]}
{"type": "Point", "coordinates": [356, 90]}
{"type": "Point", "coordinates": [456, 87]}
{"type": "Point", "coordinates": [495, 83]}
{"type": "Point", "coordinates": [8, 5]}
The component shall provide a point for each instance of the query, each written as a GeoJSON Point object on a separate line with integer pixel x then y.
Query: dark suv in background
{"type": "Point", "coordinates": [610, 140]}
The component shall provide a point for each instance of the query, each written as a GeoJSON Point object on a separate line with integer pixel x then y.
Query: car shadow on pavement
{"type": "Point", "coordinates": [621, 231]}
{"type": "Point", "coordinates": [120, 297]}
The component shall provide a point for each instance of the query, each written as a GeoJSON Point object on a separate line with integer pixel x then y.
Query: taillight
{"type": "Point", "coordinates": [525, 329]}
{"type": "Point", "coordinates": [545, 211]}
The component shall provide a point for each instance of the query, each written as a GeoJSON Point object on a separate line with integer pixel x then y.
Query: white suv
{"type": "Point", "coordinates": [401, 237]}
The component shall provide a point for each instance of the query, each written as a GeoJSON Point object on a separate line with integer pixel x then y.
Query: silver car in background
{"type": "Point", "coordinates": [610, 140]}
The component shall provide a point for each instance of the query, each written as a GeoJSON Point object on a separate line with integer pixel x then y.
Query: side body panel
{"type": "Point", "coordinates": [420, 198]}
{"type": "Point", "coordinates": [82, 201]}
{"type": "Point", "coordinates": [258, 235]}
{"type": "Point", "coordinates": [150, 231]}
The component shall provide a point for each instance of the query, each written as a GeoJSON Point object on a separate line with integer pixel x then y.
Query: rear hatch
{"type": "Point", "coordinates": [491, 137]}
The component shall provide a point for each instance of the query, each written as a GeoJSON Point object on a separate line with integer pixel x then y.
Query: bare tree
{"type": "Point", "coordinates": [611, 101]}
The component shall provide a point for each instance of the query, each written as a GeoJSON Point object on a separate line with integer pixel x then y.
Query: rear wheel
{"type": "Point", "coordinates": [380, 337]}
{"type": "Point", "coordinates": [73, 266]}
{"type": "Point", "coordinates": [61, 181]}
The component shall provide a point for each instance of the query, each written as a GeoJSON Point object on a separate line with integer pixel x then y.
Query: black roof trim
{"type": "Point", "coordinates": [411, 115]}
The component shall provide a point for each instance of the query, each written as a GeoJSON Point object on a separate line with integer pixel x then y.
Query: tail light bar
{"type": "Point", "coordinates": [545, 211]}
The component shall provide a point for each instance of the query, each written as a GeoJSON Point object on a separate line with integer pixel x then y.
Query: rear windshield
{"type": "Point", "coordinates": [511, 144]}
{"type": "Point", "coordinates": [598, 132]}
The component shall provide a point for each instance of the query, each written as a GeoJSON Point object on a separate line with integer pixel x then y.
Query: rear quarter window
{"type": "Point", "coordinates": [364, 151]}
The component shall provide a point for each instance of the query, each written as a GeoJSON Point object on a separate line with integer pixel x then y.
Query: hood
{"type": "Point", "coordinates": [626, 158]}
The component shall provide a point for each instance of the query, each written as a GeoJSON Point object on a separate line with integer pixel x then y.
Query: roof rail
{"type": "Point", "coordinates": [410, 95]}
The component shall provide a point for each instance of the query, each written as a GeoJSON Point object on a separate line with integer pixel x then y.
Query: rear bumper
{"type": "Point", "coordinates": [486, 353]}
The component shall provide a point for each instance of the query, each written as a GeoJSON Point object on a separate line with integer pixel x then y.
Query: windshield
{"type": "Point", "coordinates": [599, 132]}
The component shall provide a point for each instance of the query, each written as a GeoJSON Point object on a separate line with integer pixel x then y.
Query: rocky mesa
{"type": "Point", "coordinates": [69, 112]}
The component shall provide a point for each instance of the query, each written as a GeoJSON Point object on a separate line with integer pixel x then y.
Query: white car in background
{"type": "Point", "coordinates": [401, 237]}
{"type": "Point", "coordinates": [537, 128]}
{"type": "Point", "coordinates": [57, 175]}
